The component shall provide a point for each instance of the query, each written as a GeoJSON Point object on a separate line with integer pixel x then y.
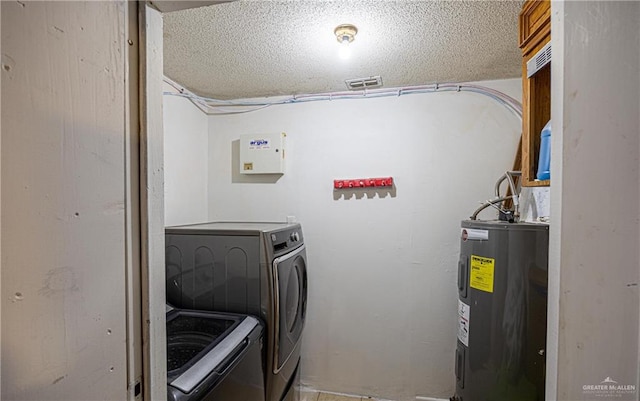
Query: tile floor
{"type": "Point", "coordinates": [316, 396]}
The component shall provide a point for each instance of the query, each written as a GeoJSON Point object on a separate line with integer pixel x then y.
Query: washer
{"type": "Point", "coordinates": [213, 356]}
{"type": "Point", "coordinates": [252, 268]}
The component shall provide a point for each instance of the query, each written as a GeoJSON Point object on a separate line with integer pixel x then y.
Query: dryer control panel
{"type": "Point", "coordinates": [286, 240]}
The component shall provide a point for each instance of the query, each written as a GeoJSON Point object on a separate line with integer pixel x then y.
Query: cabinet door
{"type": "Point", "coordinates": [535, 24]}
{"type": "Point", "coordinates": [535, 33]}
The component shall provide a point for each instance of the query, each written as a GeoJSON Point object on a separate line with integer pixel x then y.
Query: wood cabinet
{"type": "Point", "coordinates": [535, 34]}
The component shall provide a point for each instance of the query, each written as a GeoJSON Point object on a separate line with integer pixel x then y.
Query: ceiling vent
{"type": "Point", "coordinates": [364, 83]}
{"type": "Point", "coordinates": [542, 58]}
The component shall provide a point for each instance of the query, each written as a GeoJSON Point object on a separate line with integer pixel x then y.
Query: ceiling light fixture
{"type": "Point", "coordinates": [345, 34]}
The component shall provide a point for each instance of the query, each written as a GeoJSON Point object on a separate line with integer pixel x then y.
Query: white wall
{"type": "Point", "coordinates": [186, 160]}
{"type": "Point", "coordinates": [595, 198]}
{"type": "Point", "coordinates": [535, 204]}
{"type": "Point", "coordinates": [65, 135]}
{"type": "Point", "coordinates": [382, 270]}
{"type": "Point", "coordinates": [152, 205]}
{"type": "Point", "coordinates": [0, 234]}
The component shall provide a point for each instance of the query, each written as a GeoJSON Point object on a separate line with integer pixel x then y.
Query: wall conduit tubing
{"type": "Point", "coordinates": [220, 107]}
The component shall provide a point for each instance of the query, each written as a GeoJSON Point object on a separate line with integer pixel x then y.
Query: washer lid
{"type": "Point", "coordinates": [189, 345]}
{"type": "Point", "coordinates": [230, 228]}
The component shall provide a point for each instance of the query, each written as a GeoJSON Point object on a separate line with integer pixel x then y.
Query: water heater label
{"type": "Point", "coordinates": [463, 322]}
{"type": "Point", "coordinates": [482, 273]}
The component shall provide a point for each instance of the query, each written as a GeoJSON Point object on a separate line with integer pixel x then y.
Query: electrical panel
{"type": "Point", "coordinates": [262, 153]}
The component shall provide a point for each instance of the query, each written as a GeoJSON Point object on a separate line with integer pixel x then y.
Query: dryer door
{"type": "Point", "coordinates": [290, 276]}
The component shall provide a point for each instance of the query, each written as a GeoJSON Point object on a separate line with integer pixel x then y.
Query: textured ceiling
{"type": "Point", "coordinates": [256, 48]}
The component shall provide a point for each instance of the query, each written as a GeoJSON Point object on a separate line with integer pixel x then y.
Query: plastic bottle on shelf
{"type": "Point", "coordinates": [544, 160]}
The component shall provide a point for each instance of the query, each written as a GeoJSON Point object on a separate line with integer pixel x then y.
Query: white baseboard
{"type": "Point", "coordinates": [419, 398]}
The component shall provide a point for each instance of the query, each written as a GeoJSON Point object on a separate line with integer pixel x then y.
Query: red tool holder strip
{"type": "Point", "coordinates": [363, 183]}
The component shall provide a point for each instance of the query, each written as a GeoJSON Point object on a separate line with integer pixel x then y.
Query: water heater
{"type": "Point", "coordinates": [502, 311]}
{"type": "Point", "coordinates": [262, 153]}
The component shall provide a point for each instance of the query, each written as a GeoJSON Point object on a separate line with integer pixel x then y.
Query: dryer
{"type": "Point", "coordinates": [258, 269]}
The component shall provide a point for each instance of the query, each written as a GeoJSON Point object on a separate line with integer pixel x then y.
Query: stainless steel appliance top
{"type": "Point", "coordinates": [503, 225]}
{"type": "Point", "coordinates": [231, 228]}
